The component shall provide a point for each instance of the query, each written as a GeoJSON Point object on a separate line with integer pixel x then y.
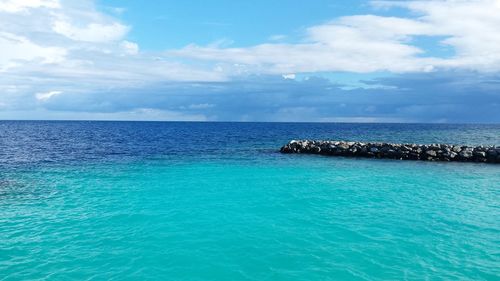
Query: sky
{"type": "Point", "coordinates": [423, 61]}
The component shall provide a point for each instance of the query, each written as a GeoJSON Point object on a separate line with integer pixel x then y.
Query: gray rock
{"type": "Point", "coordinates": [343, 146]}
{"type": "Point", "coordinates": [450, 154]}
{"type": "Point", "coordinates": [431, 153]}
{"type": "Point", "coordinates": [492, 153]}
{"type": "Point", "coordinates": [465, 154]}
{"type": "Point", "coordinates": [385, 149]}
{"type": "Point", "coordinates": [480, 154]}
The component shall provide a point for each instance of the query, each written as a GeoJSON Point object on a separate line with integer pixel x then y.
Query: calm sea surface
{"type": "Point", "coordinates": [215, 201]}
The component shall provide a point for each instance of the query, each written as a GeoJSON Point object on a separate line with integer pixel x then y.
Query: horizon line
{"type": "Point", "coordinates": [277, 122]}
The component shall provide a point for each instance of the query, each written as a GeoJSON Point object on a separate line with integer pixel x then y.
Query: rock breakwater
{"type": "Point", "coordinates": [429, 152]}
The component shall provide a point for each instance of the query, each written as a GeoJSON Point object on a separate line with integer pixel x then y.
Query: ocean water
{"type": "Point", "coordinates": [216, 201]}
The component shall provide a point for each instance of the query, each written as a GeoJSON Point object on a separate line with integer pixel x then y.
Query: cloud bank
{"type": "Point", "coordinates": [68, 60]}
{"type": "Point", "coordinates": [368, 43]}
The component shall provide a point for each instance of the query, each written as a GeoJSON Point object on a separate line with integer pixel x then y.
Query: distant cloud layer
{"type": "Point", "coordinates": [67, 59]}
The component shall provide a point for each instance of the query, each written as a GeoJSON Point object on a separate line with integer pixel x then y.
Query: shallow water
{"type": "Point", "coordinates": [214, 201]}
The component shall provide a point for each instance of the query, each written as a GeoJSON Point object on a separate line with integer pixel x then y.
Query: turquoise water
{"type": "Point", "coordinates": [257, 216]}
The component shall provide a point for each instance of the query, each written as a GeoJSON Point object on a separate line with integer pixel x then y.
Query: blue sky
{"type": "Point", "coordinates": [325, 61]}
{"type": "Point", "coordinates": [160, 25]}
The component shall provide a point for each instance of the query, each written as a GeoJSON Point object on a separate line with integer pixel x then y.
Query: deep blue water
{"type": "Point", "coordinates": [60, 142]}
{"type": "Point", "coordinates": [216, 201]}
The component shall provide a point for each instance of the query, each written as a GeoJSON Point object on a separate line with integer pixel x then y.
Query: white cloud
{"type": "Point", "coordinates": [471, 28]}
{"type": "Point", "coordinates": [83, 47]}
{"type": "Point", "coordinates": [350, 44]}
{"type": "Point", "coordinates": [371, 43]}
{"type": "Point", "coordinates": [91, 46]}
{"type": "Point", "coordinates": [141, 114]}
{"type": "Point", "coordinates": [46, 96]}
{"type": "Point", "coordinates": [16, 49]}
{"type": "Point", "coordinates": [93, 32]}
{"type": "Point", "coordinates": [201, 106]}
{"type": "Point", "coordinates": [73, 47]}
{"type": "Point", "coordinates": [130, 48]}
{"type": "Point", "coordinates": [16, 6]}
{"type": "Point", "coordinates": [348, 52]}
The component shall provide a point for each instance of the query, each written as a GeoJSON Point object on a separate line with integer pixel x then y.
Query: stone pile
{"type": "Point", "coordinates": [430, 152]}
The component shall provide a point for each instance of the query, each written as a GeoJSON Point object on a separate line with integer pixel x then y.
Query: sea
{"type": "Point", "coordinates": [85, 200]}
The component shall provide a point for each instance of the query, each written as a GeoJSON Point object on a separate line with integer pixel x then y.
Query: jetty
{"type": "Point", "coordinates": [427, 152]}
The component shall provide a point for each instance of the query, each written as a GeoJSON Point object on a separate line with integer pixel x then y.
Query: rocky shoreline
{"type": "Point", "coordinates": [430, 152]}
